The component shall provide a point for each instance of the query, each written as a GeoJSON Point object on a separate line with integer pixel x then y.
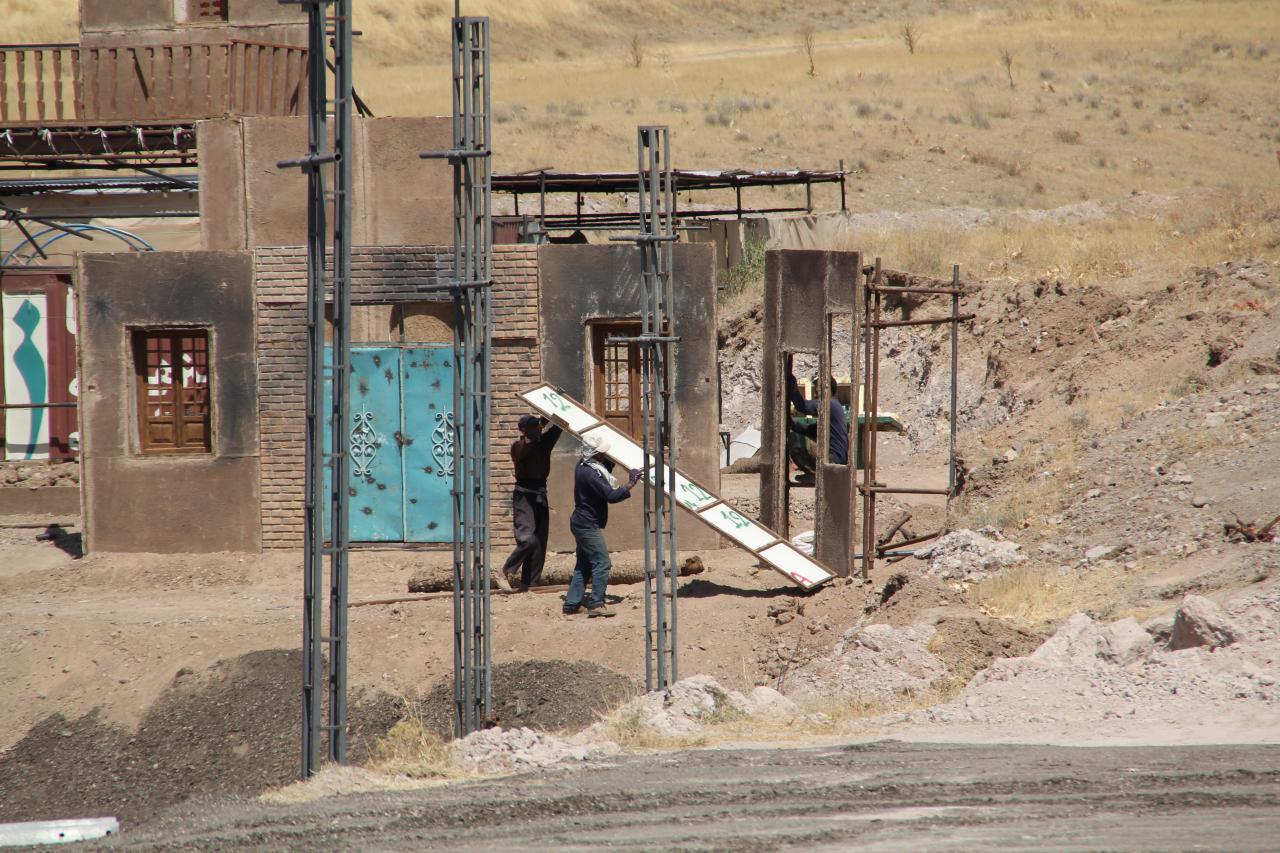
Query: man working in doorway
{"type": "Point", "coordinates": [594, 488]}
{"type": "Point", "coordinates": [838, 440]}
{"type": "Point", "coordinates": [531, 455]}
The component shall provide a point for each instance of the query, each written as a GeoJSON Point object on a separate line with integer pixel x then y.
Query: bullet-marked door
{"type": "Point", "coordinates": [401, 431]}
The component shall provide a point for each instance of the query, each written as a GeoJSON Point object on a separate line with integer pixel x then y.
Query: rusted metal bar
{"type": "Point", "coordinates": [911, 289]}
{"type": "Point", "coordinates": [894, 529]}
{"type": "Point", "coordinates": [931, 321]}
{"type": "Point", "coordinates": [902, 490]}
{"type": "Point", "coordinates": [914, 540]}
{"type": "Point", "coordinates": [38, 405]}
{"type": "Point", "coordinates": [955, 359]}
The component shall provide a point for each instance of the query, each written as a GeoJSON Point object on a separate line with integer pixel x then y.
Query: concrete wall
{"type": "Point", "coordinates": [191, 503]}
{"type": "Point", "coordinates": [139, 22]}
{"type": "Point", "coordinates": [807, 293]}
{"type": "Point", "coordinates": [398, 199]}
{"type": "Point", "coordinates": [584, 283]}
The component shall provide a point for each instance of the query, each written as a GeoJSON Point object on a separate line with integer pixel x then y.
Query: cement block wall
{"type": "Point", "coordinates": [601, 282]}
{"type": "Point", "coordinates": [398, 199]}
{"type": "Point", "coordinates": [808, 292]}
{"type": "Point", "coordinates": [382, 276]}
{"type": "Point", "coordinates": [173, 503]}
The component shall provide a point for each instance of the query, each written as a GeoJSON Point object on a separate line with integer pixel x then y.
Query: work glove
{"type": "Point", "coordinates": [634, 476]}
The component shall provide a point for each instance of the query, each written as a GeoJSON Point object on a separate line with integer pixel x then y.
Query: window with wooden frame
{"type": "Point", "coordinates": [206, 11]}
{"type": "Point", "coordinates": [171, 372]}
{"type": "Point", "coordinates": [617, 376]}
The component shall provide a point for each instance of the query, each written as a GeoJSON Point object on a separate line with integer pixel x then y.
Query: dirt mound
{"type": "Point", "coordinates": [543, 695]}
{"type": "Point", "coordinates": [968, 644]}
{"type": "Point", "coordinates": [906, 596]}
{"type": "Point", "coordinates": [230, 730]}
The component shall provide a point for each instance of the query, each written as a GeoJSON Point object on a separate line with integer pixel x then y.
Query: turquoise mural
{"type": "Point", "coordinates": [29, 362]}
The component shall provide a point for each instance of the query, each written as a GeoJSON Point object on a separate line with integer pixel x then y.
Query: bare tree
{"type": "Point", "coordinates": [637, 51]}
{"type": "Point", "coordinates": [808, 43]}
{"type": "Point", "coordinates": [1006, 59]}
{"type": "Point", "coordinates": [910, 36]}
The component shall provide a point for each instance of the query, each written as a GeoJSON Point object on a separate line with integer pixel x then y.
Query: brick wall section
{"type": "Point", "coordinates": [381, 275]}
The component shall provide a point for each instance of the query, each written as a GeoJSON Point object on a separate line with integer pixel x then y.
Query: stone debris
{"type": "Point", "coordinates": [499, 750]}
{"type": "Point", "coordinates": [874, 662]}
{"type": "Point", "coordinates": [970, 555]}
{"type": "Point", "coordinates": [696, 702]}
{"type": "Point", "coordinates": [1090, 672]}
{"type": "Point", "coordinates": [1201, 622]}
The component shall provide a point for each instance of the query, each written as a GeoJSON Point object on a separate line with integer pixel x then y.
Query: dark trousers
{"type": "Point", "coordinates": [593, 561]}
{"type": "Point", "coordinates": [529, 515]}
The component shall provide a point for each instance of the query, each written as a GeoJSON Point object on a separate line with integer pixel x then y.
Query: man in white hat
{"type": "Point", "coordinates": [594, 488]}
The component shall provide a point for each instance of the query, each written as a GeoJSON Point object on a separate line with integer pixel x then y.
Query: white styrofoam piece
{"type": "Point", "coordinates": [559, 408]}
{"type": "Point", "coordinates": [803, 570]}
{"type": "Point", "coordinates": [57, 831]}
{"type": "Point", "coordinates": [622, 448]}
{"type": "Point", "coordinates": [745, 444]}
{"type": "Point", "coordinates": [737, 527]}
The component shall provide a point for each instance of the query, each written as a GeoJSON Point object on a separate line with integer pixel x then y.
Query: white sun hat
{"type": "Point", "coordinates": [593, 445]}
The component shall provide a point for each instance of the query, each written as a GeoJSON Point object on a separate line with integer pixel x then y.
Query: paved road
{"type": "Point", "coordinates": [885, 795]}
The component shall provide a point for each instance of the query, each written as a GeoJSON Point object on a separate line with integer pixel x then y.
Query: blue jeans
{"type": "Point", "coordinates": [593, 559]}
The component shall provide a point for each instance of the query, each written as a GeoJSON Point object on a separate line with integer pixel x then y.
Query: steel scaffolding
{"type": "Point", "coordinates": [328, 22]}
{"type": "Point", "coordinates": [470, 157]}
{"type": "Point", "coordinates": [661, 572]}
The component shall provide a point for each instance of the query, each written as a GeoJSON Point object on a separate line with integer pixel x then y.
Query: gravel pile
{"type": "Point", "coordinates": [499, 750]}
{"type": "Point", "coordinates": [874, 662]}
{"type": "Point", "coordinates": [970, 555]}
{"type": "Point", "coordinates": [1207, 663]}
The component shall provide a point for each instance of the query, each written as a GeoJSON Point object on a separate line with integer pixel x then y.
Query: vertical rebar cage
{"type": "Point", "coordinates": [470, 157]}
{"type": "Point", "coordinates": [656, 234]}
{"type": "Point", "coordinates": [328, 283]}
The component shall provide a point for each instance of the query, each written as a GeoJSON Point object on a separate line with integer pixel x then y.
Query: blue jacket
{"type": "Point", "coordinates": [592, 496]}
{"type": "Point", "coordinates": [838, 442]}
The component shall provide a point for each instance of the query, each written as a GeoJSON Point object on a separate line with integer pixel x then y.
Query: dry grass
{"type": "Point", "coordinates": [1042, 596]}
{"type": "Point", "coordinates": [412, 749]}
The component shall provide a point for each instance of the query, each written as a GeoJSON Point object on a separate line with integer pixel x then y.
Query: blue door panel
{"type": "Point", "coordinates": [427, 379]}
{"type": "Point", "coordinates": [401, 429]}
{"type": "Point", "coordinates": [377, 491]}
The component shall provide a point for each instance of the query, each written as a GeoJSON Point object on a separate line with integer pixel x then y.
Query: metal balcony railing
{"type": "Point", "coordinates": [45, 83]}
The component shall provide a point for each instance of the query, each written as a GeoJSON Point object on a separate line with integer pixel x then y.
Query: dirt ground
{"type": "Point", "coordinates": [870, 796]}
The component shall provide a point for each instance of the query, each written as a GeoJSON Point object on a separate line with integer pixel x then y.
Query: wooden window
{"type": "Point", "coordinates": [617, 376]}
{"type": "Point", "coordinates": [206, 10]}
{"type": "Point", "coordinates": [172, 375]}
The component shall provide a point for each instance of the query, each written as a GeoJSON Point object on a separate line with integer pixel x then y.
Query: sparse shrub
{"type": "Point", "coordinates": [809, 45]}
{"type": "Point", "coordinates": [1048, 75]}
{"type": "Point", "coordinates": [637, 51]}
{"type": "Point", "coordinates": [1067, 135]}
{"type": "Point", "coordinates": [1011, 166]}
{"type": "Point", "coordinates": [573, 109]}
{"type": "Point", "coordinates": [910, 36]}
{"type": "Point", "coordinates": [1136, 102]}
{"type": "Point", "coordinates": [1006, 59]}
{"type": "Point", "coordinates": [977, 116]}
{"type": "Point", "coordinates": [1122, 128]}
{"type": "Point", "coordinates": [748, 273]}
{"type": "Point", "coordinates": [862, 109]}
{"type": "Point", "coordinates": [1093, 102]}
{"type": "Point", "coordinates": [502, 115]}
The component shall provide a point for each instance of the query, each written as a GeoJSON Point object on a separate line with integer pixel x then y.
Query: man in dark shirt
{"type": "Point", "coordinates": [838, 440]}
{"type": "Point", "coordinates": [531, 454]}
{"type": "Point", "coordinates": [593, 490]}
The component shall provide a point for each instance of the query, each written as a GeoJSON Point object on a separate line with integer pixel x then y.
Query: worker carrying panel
{"type": "Point", "coordinates": [706, 506]}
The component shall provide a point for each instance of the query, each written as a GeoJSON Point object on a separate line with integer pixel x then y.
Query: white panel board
{"type": "Point", "coordinates": [688, 494]}
{"type": "Point", "coordinates": [738, 527]}
{"type": "Point", "coordinates": [560, 408]}
{"type": "Point", "coordinates": [622, 448]}
{"type": "Point", "coordinates": [802, 569]}
{"type": "Point", "coordinates": [701, 502]}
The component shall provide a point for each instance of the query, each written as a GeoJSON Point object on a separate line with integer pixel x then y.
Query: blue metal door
{"type": "Point", "coordinates": [401, 426]}
{"type": "Point", "coordinates": [427, 383]}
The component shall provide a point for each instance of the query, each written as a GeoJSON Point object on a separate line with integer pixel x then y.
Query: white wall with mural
{"type": "Point", "coordinates": [26, 374]}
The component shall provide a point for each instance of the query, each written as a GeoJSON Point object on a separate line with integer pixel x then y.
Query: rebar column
{"type": "Point", "coordinates": [325, 526]}
{"type": "Point", "coordinates": [661, 572]}
{"type": "Point", "coordinates": [473, 333]}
